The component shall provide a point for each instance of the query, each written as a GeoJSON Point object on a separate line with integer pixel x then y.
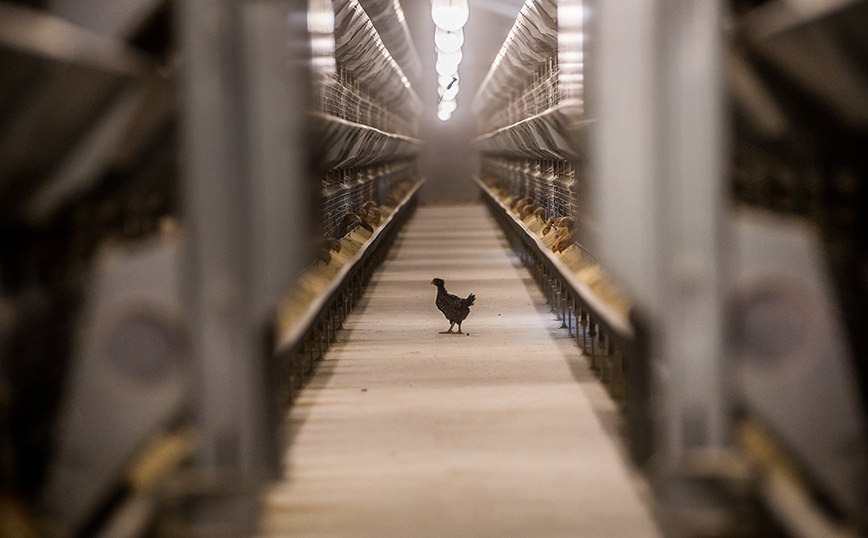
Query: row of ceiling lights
{"type": "Point", "coordinates": [449, 17]}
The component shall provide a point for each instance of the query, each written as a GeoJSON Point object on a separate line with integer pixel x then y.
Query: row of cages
{"type": "Point", "coordinates": [370, 109]}
{"type": "Point", "coordinates": [541, 92]}
{"type": "Point", "coordinates": [530, 83]}
{"type": "Point", "coordinates": [612, 342]}
{"type": "Point", "coordinates": [298, 358]}
{"type": "Point", "coordinates": [551, 185]}
{"type": "Point", "coordinates": [765, 185]}
{"type": "Point", "coordinates": [346, 190]}
{"type": "Point", "coordinates": [593, 338]}
{"type": "Point", "coordinates": [156, 216]}
{"type": "Point", "coordinates": [345, 98]}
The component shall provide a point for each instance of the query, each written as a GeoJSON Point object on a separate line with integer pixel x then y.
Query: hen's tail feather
{"type": "Point", "coordinates": [470, 299]}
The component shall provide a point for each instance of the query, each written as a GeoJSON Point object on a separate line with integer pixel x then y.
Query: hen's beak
{"type": "Point", "coordinates": [432, 282]}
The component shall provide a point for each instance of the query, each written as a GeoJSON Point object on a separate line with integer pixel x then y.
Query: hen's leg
{"type": "Point", "coordinates": [451, 324]}
{"type": "Point", "coordinates": [459, 328]}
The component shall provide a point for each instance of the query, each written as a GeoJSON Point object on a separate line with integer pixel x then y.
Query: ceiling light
{"type": "Point", "coordinates": [450, 15]}
{"type": "Point", "coordinates": [451, 58]}
{"type": "Point", "coordinates": [571, 15]}
{"type": "Point", "coordinates": [448, 41]}
{"type": "Point", "coordinates": [445, 69]}
{"type": "Point", "coordinates": [447, 94]}
{"type": "Point", "coordinates": [447, 106]}
{"type": "Point", "coordinates": [445, 81]}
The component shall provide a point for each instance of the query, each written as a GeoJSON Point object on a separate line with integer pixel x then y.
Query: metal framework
{"type": "Point", "coordinates": [363, 136]}
{"type": "Point", "coordinates": [162, 209]}
{"type": "Point", "coordinates": [660, 198]}
{"type": "Point", "coordinates": [347, 100]}
{"type": "Point", "coordinates": [655, 198]}
{"type": "Point", "coordinates": [346, 189]}
{"type": "Point", "coordinates": [549, 184]}
{"type": "Point", "coordinates": [541, 93]}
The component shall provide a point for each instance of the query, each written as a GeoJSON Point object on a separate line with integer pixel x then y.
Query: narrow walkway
{"type": "Point", "coordinates": [406, 433]}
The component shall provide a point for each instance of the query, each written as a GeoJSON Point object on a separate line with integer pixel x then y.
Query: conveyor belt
{"type": "Point", "coordinates": [406, 432]}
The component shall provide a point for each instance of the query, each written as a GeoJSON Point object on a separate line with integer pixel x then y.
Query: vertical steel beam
{"type": "Point", "coordinates": [244, 95]}
{"type": "Point", "coordinates": [691, 214]}
{"type": "Point", "coordinates": [659, 166]}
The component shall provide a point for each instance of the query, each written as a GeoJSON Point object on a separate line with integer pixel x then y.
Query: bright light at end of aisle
{"type": "Point", "coordinates": [445, 108]}
{"type": "Point", "coordinates": [449, 17]}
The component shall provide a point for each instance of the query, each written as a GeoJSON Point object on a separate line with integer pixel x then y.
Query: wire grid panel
{"type": "Point", "coordinates": [542, 92]}
{"type": "Point", "coordinates": [532, 39]}
{"type": "Point", "coordinates": [346, 190]}
{"type": "Point", "coordinates": [360, 51]}
{"type": "Point", "coordinates": [344, 98]}
{"type": "Point", "coordinates": [549, 184]}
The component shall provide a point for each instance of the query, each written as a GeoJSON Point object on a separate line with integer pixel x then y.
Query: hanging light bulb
{"type": "Point", "coordinates": [450, 58]}
{"type": "Point", "coordinates": [446, 69]}
{"type": "Point", "coordinates": [448, 41]}
{"type": "Point", "coordinates": [443, 115]}
{"type": "Point", "coordinates": [450, 15]}
{"type": "Point", "coordinates": [571, 14]}
{"type": "Point", "coordinates": [448, 94]}
{"type": "Point", "coordinates": [448, 106]}
{"type": "Point", "coordinates": [446, 81]}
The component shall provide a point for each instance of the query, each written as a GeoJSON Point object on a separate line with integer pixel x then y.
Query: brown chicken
{"type": "Point", "coordinates": [520, 207]}
{"type": "Point", "coordinates": [566, 239]}
{"type": "Point", "coordinates": [350, 222]}
{"type": "Point", "coordinates": [372, 215]}
{"type": "Point", "coordinates": [324, 248]}
{"type": "Point", "coordinates": [519, 204]}
{"type": "Point", "coordinates": [368, 205]}
{"type": "Point", "coordinates": [453, 307]}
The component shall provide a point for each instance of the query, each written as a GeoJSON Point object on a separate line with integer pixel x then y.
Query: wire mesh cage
{"type": "Point", "coordinates": [526, 58]}
{"type": "Point", "coordinates": [367, 118]}
{"type": "Point", "coordinates": [346, 190]}
{"type": "Point", "coordinates": [345, 98]}
{"type": "Point", "coordinates": [541, 92]}
{"type": "Point", "coordinates": [549, 184]}
{"type": "Point", "coordinates": [360, 51]}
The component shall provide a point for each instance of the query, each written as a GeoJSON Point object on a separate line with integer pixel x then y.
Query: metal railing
{"type": "Point", "coordinates": [309, 338]}
{"type": "Point", "coordinates": [345, 190]}
{"type": "Point", "coordinates": [616, 346]}
{"type": "Point", "coordinates": [532, 40]}
{"type": "Point", "coordinates": [551, 185]}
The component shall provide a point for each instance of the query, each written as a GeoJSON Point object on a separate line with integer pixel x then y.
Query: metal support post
{"type": "Point", "coordinates": [660, 149]}
{"type": "Point", "coordinates": [605, 376]}
{"type": "Point", "coordinates": [308, 345]}
{"type": "Point", "coordinates": [592, 334]}
{"type": "Point", "coordinates": [584, 322]}
{"type": "Point", "coordinates": [244, 100]}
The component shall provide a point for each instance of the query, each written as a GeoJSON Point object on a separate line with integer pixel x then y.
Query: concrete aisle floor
{"type": "Point", "coordinates": [404, 432]}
